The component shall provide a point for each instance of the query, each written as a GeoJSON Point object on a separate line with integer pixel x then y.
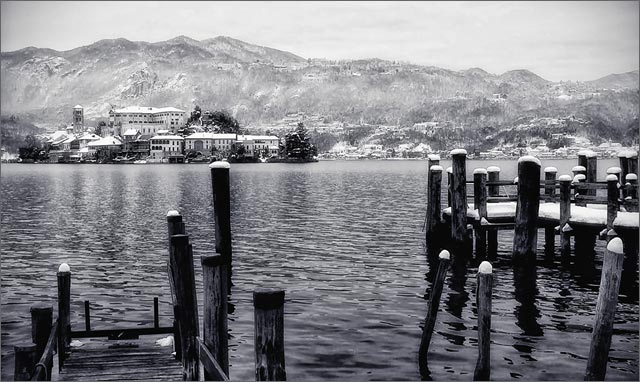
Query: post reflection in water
{"type": "Point", "coordinates": [458, 296]}
{"type": "Point", "coordinates": [526, 290]}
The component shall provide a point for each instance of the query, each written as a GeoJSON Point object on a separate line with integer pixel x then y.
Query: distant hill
{"type": "Point", "coordinates": [260, 84]}
{"type": "Point", "coordinates": [13, 130]}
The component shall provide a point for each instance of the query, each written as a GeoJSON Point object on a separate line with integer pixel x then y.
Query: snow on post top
{"type": "Point", "coordinates": [591, 154]}
{"type": "Point", "coordinates": [450, 169]}
{"type": "Point", "coordinates": [614, 170]}
{"type": "Point", "coordinates": [480, 171]}
{"type": "Point", "coordinates": [219, 164]}
{"type": "Point", "coordinates": [529, 158]}
{"type": "Point", "coordinates": [579, 177]}
{"type": "Point", "coordinates": [485, 267]}
{"type": "Point", "coordinates": [515, 180]}
{"type": "Point", "coordinates": [434, 157]}
{"type": "Point", "coordinates": [612, 178]}
{"type": "Point", "coordinates": [459, 152]}
{"type": "Point", "coordinates": [583, 152]}
{"type": "Point", "coordinates": [632, 153]}
{"type": "Point", "coordinates": [615, 245]}
{"type": "Point", "coordinates": [631, 177]}
{"type": "Point", "coordinates": [578, 168]}
{"type": "Point", "coordinates": [173, 213]}
{"type": "Point", "coordinates": [493, 169]}
{"type": "Point", "coordinates": [435, 167]}
{"type": "Point", "coordinates": [564, 178]}
{"type": "Point", "coordinates": [444, 254]}
{"type": "Point", "coordinates": [64, 267]}
{"type": "Point", "coordinates": [550, 169]}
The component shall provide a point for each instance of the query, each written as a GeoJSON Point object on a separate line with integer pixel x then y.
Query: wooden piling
{"type": "Point", "coordinates": [493, 190]}
{"type": "Point", "coordinates": [25, 362]}
{"type": "Point", "coordinates": [605, 311]}
{"type": "Point", "coordinates": [64, 312]}
{"type": "Point", "coordinates": [41, 325]}
{"type": "Point", "coordinates": [87, 316]}
{"type": "Point", "coordinates": [579, 170]}
{"type": "Point", "coordinates": [268, 307]}
{"type": "Point", "coordinates": [565, 214]}
{"type": "Point", "coordinates": [181, 259]}
{"type": "Point", "coordinates": [221, 207]}
{"type": "Point", "coordinates": [432, 312]}
{"type": "Point", "coordinates": [480, 204]}
{"type": "Point", "coordinates": [592, 171]}
{"type": "Point", "coordinates": [577, 180]}
{"type": "Point", "coordinates": [483, 302]}
{"type": "Point", "coordinates": [549, 191]}
{"type": "Point", "coordinates": [156, 318]}
{"type": "Point", "coordinates": [632, 180]}
{"type": "Point", "coordinates": [525, 236]}
{"type": "Point", "coordinates": [582, 158]}
{"type": "Point", "coordinates": [459, 200]}
{"type": "Point", "coordinates": [433, 208]}
{"type": "Point", "coordinates": [449, 184]}
{"type": "Point", "coordinates": [624, 165]}
{"type": "Point", "coordinates": [612, 200]}
{"type": "Point", "coordinates": [214, 324]}
{"type": "Point", "coordinates": [433, 160]}
{"type": "Point", "coordinates": [632, 162]}
{"type": "Point", "coordinates": [175, 226]}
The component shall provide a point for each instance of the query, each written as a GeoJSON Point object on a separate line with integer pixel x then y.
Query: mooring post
{"type": "Point", "coordinates": [592, 171]}
{"type": "Point", "coordinates": [483, 303]}
{"type": "Point", "coordinates": [449, 184]}
{"type": "Point", "coordinates": [582, 158]}
{"type": "Point", "coordinates": [565, 214]}
{"type": "Point", "coordinates": [433, 209]}
{"type": "Point", "coordinates": [612, 200]}
{"type": "Point", "coordinates": [268, 305]}
{"type": "Point", "coordinates": [480, 204]}
{"type": "Point", "coordinates": [175, 226]}
{"type": "Point", "coordinates": [525, 236]}
{"type": "Point", "coordinates": [41, 325]}
{"type": "Point", "coordinates": [64, 312]}
{"type": "Point", "coordinates": [578, 190]}
{"type": "Point", "coordinates": [494, 190]}
{"type": "Point", "coordinates": [632, 162]}
{"type": "Point", "coordinates": [549, 191]}
{"type": "Point", "coordinates": [579, 170]}
{"type": "Point", "coordinates": [616, 171]}
{"type": "Point", "coordinates": [181, 259]}
{"type": "Point", "coordinates": [433, 160]}
{"type": "Point", "coordinates": [605, 311]}
{"type": "Point", "coordinates": [214, 325]}
{"type": "Point", "coordinates": [432, 312]}
{"type": "Point", "coordinates": [624, 167]}
{"type": "Point", "coordinates": [221, 207]}
{"type": "Point", "coordinates": [632, 180]}
{"type": "Point", "coordinates": [25, 362]}
{"type": "Point", "coordinates": [156, 318]}
{"type": "Point", "coordinates": [459, 201]}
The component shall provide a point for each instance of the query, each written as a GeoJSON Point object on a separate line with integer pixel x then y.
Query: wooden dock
{"type": "Point", "coordinates": [108, 360]}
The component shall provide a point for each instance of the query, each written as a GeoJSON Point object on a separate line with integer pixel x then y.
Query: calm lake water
{"type": "Point", "coordinates": [344, 239]}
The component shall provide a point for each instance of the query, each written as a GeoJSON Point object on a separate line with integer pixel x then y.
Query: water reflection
{"type": "Point", "coordinates": [526, 290]}
{"type": "Point", "coordinates": [458, 296]}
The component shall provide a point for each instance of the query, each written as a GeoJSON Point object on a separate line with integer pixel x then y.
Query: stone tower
{"type": "Point", "coordinates": [78, 119]}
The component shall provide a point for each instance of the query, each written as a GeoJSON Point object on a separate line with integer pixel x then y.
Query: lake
{"type": "Point", "coordinates": [344, 239]}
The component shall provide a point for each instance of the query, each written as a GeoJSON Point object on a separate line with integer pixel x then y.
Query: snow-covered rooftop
{"type": "Point", "coordinates": [148, 110]}
{"type": "Point", "coordinates": [106, 141]}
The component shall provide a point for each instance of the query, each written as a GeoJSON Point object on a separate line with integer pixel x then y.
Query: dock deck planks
{"type": "Point", "coordinates": [104, 360]}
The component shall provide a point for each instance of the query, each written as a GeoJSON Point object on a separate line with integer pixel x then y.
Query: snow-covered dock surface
{"type": "Point", "coordinates": [593, 215]}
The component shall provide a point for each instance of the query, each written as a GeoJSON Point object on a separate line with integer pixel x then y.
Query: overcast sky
{"type": "Point", "coordinates": [556, 40]}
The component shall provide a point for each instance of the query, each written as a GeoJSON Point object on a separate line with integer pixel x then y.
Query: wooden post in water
{"type": "Point", "coordinates": [624, 165]}
{"type": "Point", "coordinates": [181, 259]}
{"type": "Point", "coordinates": [268, 307]}
{"type": "Point", "coordinates": [214, 324]}
{"type": "Point", "coordinates": [175, 226]}
{"type": "Point", "coordinates": [432, 312]}
{"type": "Point", "coordinates": [525, 236]}
{"type": "Point", "coordinates": [26, 358]}
{"type": "Point", "coordinates": [449, 184]}
{"type": "Point", "coordinates": [459, 201]}
{"type": "Point", "coordinates": [41, 325]}
{"type": "Point", "coordinates": [632, 180]}
{"type": "Point", "coordinates": [616, 171]}
{"type": "Point", "coordinates": [483, 303]}
{"type": "Point", "coordinates": [605, 311]}
{"type": "Point", "coordinates": [433, 160]}
{"type": "Point", "coordinates": [480, 204]}
{"type": "Point", "coordinates": [156, 318]}
{"type": "Point", "coordinates": [494, 190]}
{"type": "Point", "coordinates": [612, 200]}
{"type": "Point", "coordinates": [578, 191]}
{"type": "Point", "coordinates": [565, 214]}
{"type": "Point", "coordinates": [579, 170]}
{"type": "Point", "coordinates": [433, 208]}
{"type": "Point", "coordinates": [592, 171]}
{"type": "Point", "coordinates": [632, 162]}
{"type": "Point", "coordinates": [222, 207]}
{"type": "Point", "coordinates": [64, 312]}
{"type": "Point", "coordinates": [549, 191]}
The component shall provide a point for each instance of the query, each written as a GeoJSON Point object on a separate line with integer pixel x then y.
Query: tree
{"type": "Point", "coordinates": [224, 122]}
{"type": "Point", "coordinates": [32, 149]}
{"type": "Point", "coordinates": [99, 127]}
{"type": "Point", "coordinates": [297, 144]}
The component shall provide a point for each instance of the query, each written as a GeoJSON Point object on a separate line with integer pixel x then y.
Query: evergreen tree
{"type": "Point", "coordinates": [297, 144]}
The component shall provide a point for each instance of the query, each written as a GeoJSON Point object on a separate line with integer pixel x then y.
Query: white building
{"type": "Point", "coordinates": [165, 146]}
{"type": "Point", "coordinates": [205, 142]}
{"type": "Point", "coordinates": [107, 143]}
{"type": "Point", "coordinates": [257, 144]}
{"type": "Point", "coordinates": [147, 120]}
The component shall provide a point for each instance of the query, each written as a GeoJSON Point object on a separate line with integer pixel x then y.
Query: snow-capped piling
{"type": "Point", "coordinates": [592, 171]}
{"type": "Point", "coordinates": [64, 311]}
{"type": "Point", "coordinates": [579, 170]}
{"type": "Point", "coordinates": [214, 320]}
{"type": "Point", "coordinates": [433, 160]}
{"type": "Point", "coordinates": [181, 260]}
{"type": "Point", "coordinates": [175, 226]}
{"type": "Point", "coordinates": [493, 191]}
{"type": "Point", "coordinates": [268, 307]}
{"type": "Point", "coordinates": [433, 209]}
{"type": "Point", "coordinates": [432, 311]}
{"type": "Point", "coordinates": [480, 203]}
{"type": "Point", "coordinates": [605, 311]}
{"type": "Point", "coordinates": [525, 235]}
{"type": "Point", "coordinates": [565, 214]}
{"type": "Point", "coordinates": [612, 199]}
{"type": "Point", "coordinates": [549, 192]}
{"type": "Point", "coordinates": [221, 208]}
{"type": "Point", "coordinates": [459, 200]}
{"type": "Point", "coordinates": [631, 186]}
{"type": "Point", "coordinates": [483, 303]}
{"type": "Point", "coordinates": [449, 171]}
